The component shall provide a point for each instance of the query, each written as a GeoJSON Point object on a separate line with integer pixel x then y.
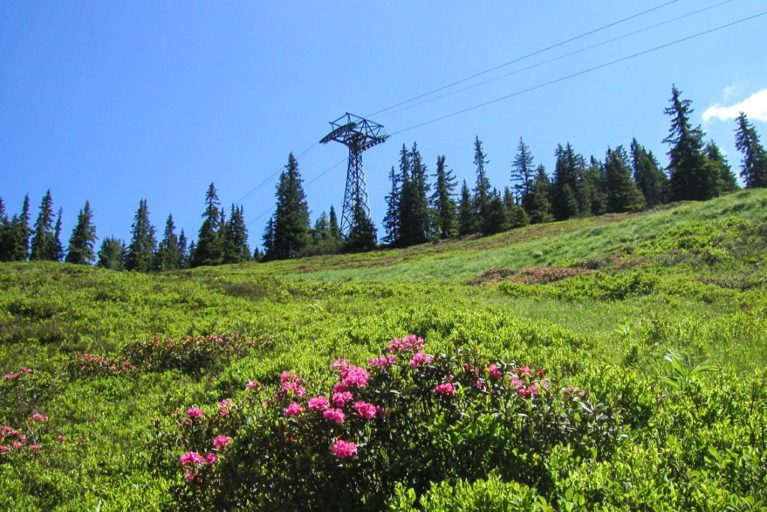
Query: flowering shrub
{"type": "Point", "coordinates": [190, 354]}
{"type": "Point", "coordinates": [91, 364]}
{"type": "Point", "coordinates": [409, 417]}
{"type": "Point", "coordinates": [23, 391]}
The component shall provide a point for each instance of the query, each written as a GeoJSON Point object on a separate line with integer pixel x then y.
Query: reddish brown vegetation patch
{"type": "Point", "coordinates": [492, 276]}
{"type": "Point", "coordinates": [547, 275]}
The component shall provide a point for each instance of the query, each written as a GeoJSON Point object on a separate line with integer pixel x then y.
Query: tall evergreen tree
{"type": "Point", "coordinates": [80, 249]}
{"type": "Point", "coordinates": [516, 215]}
{"type": "Point", "coordinates": [595, 187]}
{"type": "Point", "coordinates": [18, 249]}
{"type": "Point", "coordinates": [168, 256]}
{"type": "Point", "coordinates": [567, 175]}
{"type": "Point", "coordinates": [111, 254]}
{"type": "Point", "coordinates": [291, 217]}
{"type": "Point", "coordinates": [183, 250]}
{"type": "Point", "coordinates": [362, 236]}
{"type": "Point", "coordinates": [392, 217]}
{"type": "Point", "coordinates": [718, 168]}
{"type": "Point", "coordinates": [482, 185]}
{"type": "Point", "coordinates": [496, 218]}
{"type": "Point", "coordinates": [467, 221]}
{"type": "Point", "coordinates": [42, 239]}
{"type": "Point", "coordinates": [523, 174]}
{"type": "Point", "coordinates": [648, 175]}
{"type": "Point", "coordinates": [690, 177]}
{"type": "Point", "coordinates": [622, 193]}
{"type": "Point", "coordinates": [442, 200]}
{"type": "Point", "coordinates": [540, 206]}
{"type": "Point", "coordinates": [333, 221]}
{"type": "Point", "coordinates": [57, 249]}
{"type": "Point", "coordinates": [140, 252]}
{"type": "Point", "coordinates": [267, 240]}
{"type": "Point", "coordinates": [323, 240]}
{"type": "Point", "coordinates": [236, 248]}
{"type": "Point", "coordinates": [210, 239]}
{"type": "Point", "coordinates": [5, 233]}
{"type": "Point", "coordinates": [754, 163]}
{"type": "Point", "coordinates": [415, 218]}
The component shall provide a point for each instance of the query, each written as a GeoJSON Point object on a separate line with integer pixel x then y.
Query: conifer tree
{"type": "Point", "coordinates": [523, 174]}
{"type": "Point", "coordinates": [291, 217]}
{"type": "Point", "coordinates": [648, 175]}
{"type": "Point", "coordinates": [595, 185]}
{"type": "Point", "coordinates": [567, 174]}
{"type": "Point", "coordinates": [754, 163]}
{"type": "Point", "coordinates": [482, 185]}
{"type": "Point", "coordinates": [236, 248]}
{"type": "Point", "coordinates": [42, 239]}
{"type": "Point", "coordinates": [442, 200]}
{"type": "Point", "coordinates": [622, 193]}
{"type": "Point", "coordinates": [111, 254]}
{"type": "Point", "coordinates": [140, 252]}
{"type": "Point", "coordinates": [5, 233]}
{"type": "Point", "coordinates": [392, 217]}
{"type": "Point", "coordinates": [267, 240]}
{"type": "Point", "coordinates": [335, 231]}
{"type": "Point", "coordinates": [690, 177]}
{"type": "Point", "coordinates": [415, 218]}
{"type": "Point", "coordinates": [516, 215]}
{"type": "Point", "coordinates": [57, 249]}
{"type": "Point", "coordinates": [362, 236]}
{"type": "Point", "coordinates": [168, 256]}
{"type": "Point", "coordinates": [540, 206]}
{"type": "Point", "coordinates": [80, 250]}
{"type": "Point", "coordinates": [210, 239]}
{"type": "Point", "coordinates": [719, 170]}
{"type": "Point", "coordinates": [183, 251]}
{"type": "Point", "coordinates": [467, 222]}
{"type": "Point", "coordinates": [18, 248]}
{"type": "Point", "coordinates": [496, 218]}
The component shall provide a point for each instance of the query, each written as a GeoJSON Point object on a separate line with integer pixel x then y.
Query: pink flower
{"type": "Point", "coordinates": [11, 376]}
{"type": "Point", "coordinates": [516, 383]}
{"type": "Point", "coordinates": [3, 448]}
{"type": "Point", "coordinates": [336, 415]}
{"type": "Point", "coordinates": [251, 384]}
{"type": "Point", "coordinates": [194, 412]}
{"type": "Point", "coordinates": [34, 447]}
{"type": "Point", "coordinates": [191, 458]}
{"type": "Point", "coordinates": [339, 364]}
{"type": "Point", "coordinates": [17, 444]}
{"type": "Point", "coordinates": [220, 442]}
{"type": "Point", "coordinates": [318, 403]}
{"type": "Point", "coordinates": [354, 377]}
{"type": "Point", "coordinates": [341, 398]}
{"type": "Point", "coordinates": [39, 417]}
{"type": "Point", "coordinates": [28, 371]}
{"type": "Point", "coordinates": [494, 371]}
{"type": "Point", "coordinates": [294, 409]}
{"type": "Point", "coordinates": [210, 458]}
{"type": "Point", "coordinates": [291, 383]}
{"type": "Point", "coordinates": [344, 449]}
{"type": "Point", "coordinates": [533, 390]}
{"type": "Point", "coordinates": [480, 385]}
{"type": "Point", "coordinates": [420, 359]}
{"type": "Point", "coordinates": [544, 384]}
{"type": "Point", "coordinates": [410, 343]}
{"type": "Point", "coordinates": [525, 369]}
{"type": "Point", "coordinates": [382, 361]}
{"type": "Point", "coordinates": [339, 387]}
{"type": "Point", "coordinates": [447, 389]}
{"type": "Point", "coordinates": [223, 406]}
{"type": "Point", "coordinates": [367, 410]}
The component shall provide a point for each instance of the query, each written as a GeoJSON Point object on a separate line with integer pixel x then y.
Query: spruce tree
{"type": "Point", "coordinates": [18, 249]}
{"type": "Point", "coordinates": [496, 218]}
{"type": "Point", "coordinates": [415, 217]}
{"type": "Point", "coordinates": [80, 249]}
{"type": "Point", "coordinates": [210, 239]}
{"type": "Point", "coordinates": [267, 240]}
{"type": "Point", "coordinates": [523, 174]}
{"type": "Point", "coordinates": [622, 193]}
{"type": "Point", "coordinates": [719, 170]}
{"type": "Point", "coordinates": [442, 200]}
{"type": "Point", "coordinates": [291, 217]}
{"type": "Point", "coordinates": [111, 254]}
{"type": "Point", "coordinates": [335, 231]}
{"type": "Point", "coordinates": [595, 184]}
{"type": "Point", "coordinates": [517, 216]}
{"type": "Point", "coordinates": [140, 252]}
{"type": "Point", "coordinates": [648, 175]}
{"type": "Point", "coordinates": [539, 209]}
{"type": "Point", "coordinates": [362, 236]}
{"type": "Point", "coordinates": [567, 175]}
{"type": "Point", "coordinates": [168, 256]}
{"type": "Point", "coordinates": [5, 233]}
{"type": "Point", "coordinates": [482, 185]}
{"type": "Point", "coordinates": [183, 251]}
{"type": "Point", "coordinates": [57, 249]}
{"type": "Point", "coordinates": [690, 177]}
{"type": "Point", "coordinates": [467, 222]}
{"type": "Point", "coordinates": [42, 239]}
{"type": "Point", "coordinates": [236, 248]}
{"type": "Point", "coordinates": [754, 163]}
{"type": "Point", "coordinates": [392, 218]}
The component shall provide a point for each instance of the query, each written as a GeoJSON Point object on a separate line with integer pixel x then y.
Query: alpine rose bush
{"type": "Point", "coordinates": [407, 416]}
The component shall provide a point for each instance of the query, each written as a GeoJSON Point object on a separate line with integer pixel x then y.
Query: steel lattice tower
{"type": "Point", "coordinates": [358, 134]}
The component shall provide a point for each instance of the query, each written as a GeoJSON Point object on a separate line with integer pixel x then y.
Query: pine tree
{"type": "Point", "coordinates": [691, 178]}
{"type": "Point", "coordinates": [415, 218]}
{"type": "Point", "coordinates": [80, 249]}
{"type": "Point", "coordinates": [523, 174]}
{"type": "Point", "coordinates": [6, 234]}
{"type": "Point", "coordinates": [754, 163]}
{"type": "Point", "coordinates": [57, 249]}
{"type": "Point", "coordinates": [111, 254]}
{"type": "Point", "coordinates": [333, 221]}
{"type": "Point", "coordinates": [42, 239]}
{"type": "Point", "coordinates": [236, 248]}
{"type": "Point", "coordinates": [325, 239]}
{"type": "Point", "coordinates": [648, 175]}
{"type": "Point", "coordinates": [442, 200]}
{"type": "Point", "coordinates": [595, 185]}
{"type": "Point", "coordinates": [567, 175]}
{"type": "Point", "coordinates": [540, 206]}
{"type": "Point", "coordinates": [392, 217]}
{"type": "Point", "coordinates": [140, 253]}
{"type": "Point", "coordinates": [362, 236]}
{"type": "Point", "coordinates": [719, 170]}
{"type": "Point", "coordinates": [516, 215]}
{"type": "Point", "coordinates": [291, 217]}
{"type": "Point", "coordinates": [168, 256]}
{"type": "Point", "coordinates": [482, 185]}
{"type": "Point", "coordinates": [267, 240]}
{"type": "Point", "coordinates": [19, 233]}
{"type": "Point", "coordinates": [622, 193]}
{"type": "Point", "coordinates": [210, 239]}
{"type": "Point", "coordinates": [467, 222]}
{"type": "Point", "coordinates": [183, 252]}
{"type": "Point", "coordinates": [495, 219]}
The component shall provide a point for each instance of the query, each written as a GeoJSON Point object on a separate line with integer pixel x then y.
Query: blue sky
{"type": "Point", "coordinates": [117, 101]}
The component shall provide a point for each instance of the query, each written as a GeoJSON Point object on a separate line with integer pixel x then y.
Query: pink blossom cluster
{"type": "Point", "coordinates": [334, 415]}
{"type": "Point", "coordinates": [445, 389]}
{"type": "Point", "coordinates": [382, 361]}
{"type": "Point", "coordinates": [252, 384]}
{"type": "Point", "coordinates": [341, 398]}
{"type": "Point", "coordinates": [192, 414]}
{"type": "Point", "coordinates": [23, 372]}
{"type": "Point", "coordinates": [367, 411]}
{"type": "Point", "coordinates": [318, 403]}
{"type": "Point", "coordinates": [39, 417]}
{"type": "Point", "coordinates": [220, 442]}
{"type": "Point", "coordinates": [420, 359]}
{"type": "Point", "coordinates": [290, 383]}
{"type": "Point", "coordinates": [411, 343]}
{"type": "Point", "coordinates": [193, 462]}
{"type": "Point", "coordinates": [294, 409]}
{"type": "Point", "coordinates": [494, 371]}
{"type": "Point", "coordinates": [344, 449]}
{"type": "Point", "coordinates": [11, 438]}
{"type": "Point", "coordinates": [351, 376]}
{"type": "Point", "coordinates": [225, 406]}
{"type": "Point", "coordinates": [90, 363]}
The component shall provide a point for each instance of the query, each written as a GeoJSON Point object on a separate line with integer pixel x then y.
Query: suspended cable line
{"type": "Point", "coordinates": [523, 57]}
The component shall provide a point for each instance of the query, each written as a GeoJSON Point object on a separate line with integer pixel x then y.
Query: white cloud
{"type": "Point", "coordinates": [755, 107]}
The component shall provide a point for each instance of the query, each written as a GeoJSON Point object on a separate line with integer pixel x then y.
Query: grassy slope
{"type": "Point", "coordinates": [690, 277]}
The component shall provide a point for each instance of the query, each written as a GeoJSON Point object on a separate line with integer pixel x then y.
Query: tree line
{"type": "Point", "coordinates": [419, 206]}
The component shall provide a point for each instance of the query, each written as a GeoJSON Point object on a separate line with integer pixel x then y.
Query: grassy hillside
{"type": "Point", "coordinates": [599, 303]}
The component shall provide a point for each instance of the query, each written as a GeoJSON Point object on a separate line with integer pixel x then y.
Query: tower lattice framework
{"type": "Point", "coordinates": [358, 134]}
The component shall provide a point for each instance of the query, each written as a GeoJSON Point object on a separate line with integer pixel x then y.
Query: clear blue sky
{"type": "Point", "coordinates": [118, 101]}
